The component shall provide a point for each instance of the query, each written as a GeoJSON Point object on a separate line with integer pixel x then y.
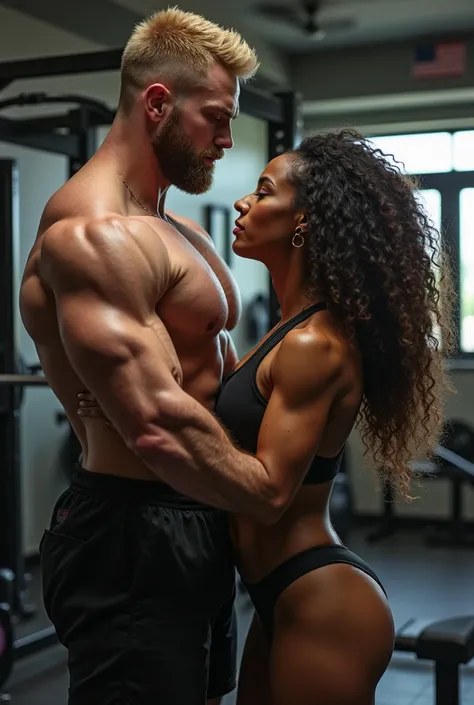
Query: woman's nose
{"type": "Point", "coordinates": [242, 205]}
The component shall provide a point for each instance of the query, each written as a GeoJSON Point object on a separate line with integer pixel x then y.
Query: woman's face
{"type": "Point", "coordinates": [268, 217]}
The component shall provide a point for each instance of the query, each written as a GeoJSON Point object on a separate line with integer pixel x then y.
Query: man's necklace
{"type": "Point", "coordinates": [135, 198]}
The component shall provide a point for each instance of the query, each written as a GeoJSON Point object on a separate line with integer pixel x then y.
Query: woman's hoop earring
{"type": "Point", "coordinates": [298, 239]}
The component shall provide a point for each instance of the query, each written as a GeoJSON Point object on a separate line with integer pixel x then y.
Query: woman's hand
{"type": "Point", "coordinates": [90, 409]}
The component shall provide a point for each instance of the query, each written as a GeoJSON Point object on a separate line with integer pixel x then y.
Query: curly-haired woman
{"type": "Point", "coordinates": [365, 298]}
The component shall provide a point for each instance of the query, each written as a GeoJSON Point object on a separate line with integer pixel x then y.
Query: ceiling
{"type": "Point", "coordinates": [374, 20]}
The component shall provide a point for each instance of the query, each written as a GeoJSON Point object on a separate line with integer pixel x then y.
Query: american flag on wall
{"type": "Point", "coordinates": [443, 60]}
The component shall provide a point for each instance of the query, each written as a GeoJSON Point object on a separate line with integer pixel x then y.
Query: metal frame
{"type": "Point", "coordinates": [48, 132]}
{"type": "Point", "coordinates": [11, 555]}
{"type": "Point", "coordinates": [253, 101]}
{"type": "Point", "coordinates": [279, 110]}
{"type": "Point", "coordinates": [225, 249]}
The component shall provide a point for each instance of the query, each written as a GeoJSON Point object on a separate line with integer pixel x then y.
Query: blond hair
{"type": "Point", "coordinates": [179, 47]}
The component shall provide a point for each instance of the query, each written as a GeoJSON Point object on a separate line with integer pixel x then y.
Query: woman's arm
{"type": "Point", "coordinates": [200, 459]}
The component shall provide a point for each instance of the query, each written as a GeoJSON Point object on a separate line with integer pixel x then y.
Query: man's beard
{"type": "Point", "coordinates": [179, 161]}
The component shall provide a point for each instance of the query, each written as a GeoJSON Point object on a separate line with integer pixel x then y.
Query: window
{"type": "Point", "coordinates": [463, 150]}
{"type": "Point", "coordinates": [466, 256]}
{"type": "Point", "coordinates": [430, 200]}
{"type": "Point", "coordinates": [419, 154]}
{"type": "Point", "coordinates": [444, 164]}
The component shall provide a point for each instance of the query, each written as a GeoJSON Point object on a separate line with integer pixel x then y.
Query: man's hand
{"type": "Point", "coordinates": [87, 407]}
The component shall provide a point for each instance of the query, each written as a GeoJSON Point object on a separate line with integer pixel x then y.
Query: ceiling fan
{"type": "Point", "coordinates": [305, 17]}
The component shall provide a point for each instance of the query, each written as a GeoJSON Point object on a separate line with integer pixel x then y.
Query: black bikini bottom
{"type": "Point", "coordinates": [265, 593]}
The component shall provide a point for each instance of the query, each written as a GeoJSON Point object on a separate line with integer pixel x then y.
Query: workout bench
{"type": "Point", "coordinates": [449, 643]}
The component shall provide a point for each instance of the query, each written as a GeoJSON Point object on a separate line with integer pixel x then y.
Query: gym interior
{"type": "Point", "coordinates": [402, 73]}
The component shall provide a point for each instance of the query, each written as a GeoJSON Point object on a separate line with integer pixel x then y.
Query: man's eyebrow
{"type": "Point", "coordinates": [231, 114]}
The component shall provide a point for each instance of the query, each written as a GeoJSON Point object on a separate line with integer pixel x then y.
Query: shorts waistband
{"type": "Point", "coordinates": [131, 490]}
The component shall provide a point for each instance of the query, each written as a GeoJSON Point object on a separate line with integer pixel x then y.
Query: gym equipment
{"type": "Point", "coordinates": [6, 632]}
{"type": "Point", "coordinates": [454, 461]}
{"type": "Point", "coordinates": [73, 133]}
{"type": "Point", "coordinates": [13, 593]}
{"type": "Point", "coordinates": [11, 557]}
{"type": "Point", "coordinates": [6, 648]}
{"type": "Point", "coordinates": [256, 318]}
{"type": "Point", "coordinates": [449, 643]}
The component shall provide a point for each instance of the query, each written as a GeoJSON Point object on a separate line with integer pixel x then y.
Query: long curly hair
{"type": "Point", "coordinates": [374, 255]}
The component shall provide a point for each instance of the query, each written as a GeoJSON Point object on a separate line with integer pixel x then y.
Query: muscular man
{"type": "Point", "coordinates": [139, 579]}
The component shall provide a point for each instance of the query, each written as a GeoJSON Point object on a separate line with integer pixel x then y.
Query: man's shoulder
{"type": "Point", "coordinates": [111, 231]}
{"type": "Point", "coordinates": [111, 243]}
{"type": "Point", "coordinates": [187, 224]}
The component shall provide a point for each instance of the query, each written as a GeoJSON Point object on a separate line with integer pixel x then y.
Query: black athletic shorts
{"type": "Point", "coordinates": [139, 583]}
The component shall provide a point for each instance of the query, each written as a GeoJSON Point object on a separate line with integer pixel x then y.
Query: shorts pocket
{"type": "Point", "coordinates": [63, 567]}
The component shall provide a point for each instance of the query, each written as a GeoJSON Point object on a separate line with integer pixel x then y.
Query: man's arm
{"type": "Point", "coordinates": [107, 278]}
{"type": "Point", "coordinates": [106, 285]}
{"type": "Point", "coordinates": [306, 378]}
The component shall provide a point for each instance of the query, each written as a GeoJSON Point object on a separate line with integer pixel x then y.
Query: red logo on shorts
{"type": "Point", "coordinates": [61, 515]}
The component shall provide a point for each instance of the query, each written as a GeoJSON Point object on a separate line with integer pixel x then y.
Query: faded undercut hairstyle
{"type": "Point", "coordinates": [179, 47]}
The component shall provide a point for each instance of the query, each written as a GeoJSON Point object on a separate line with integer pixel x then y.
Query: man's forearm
{"type": "Point", "coordinates": [190, 451]}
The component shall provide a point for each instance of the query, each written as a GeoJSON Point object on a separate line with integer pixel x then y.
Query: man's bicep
{"type": "Point", "coordinates": [122, 361]}
{"type": "Point", "coordinates": [107, 278]}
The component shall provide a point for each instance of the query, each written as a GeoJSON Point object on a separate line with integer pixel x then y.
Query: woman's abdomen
{"type": "Point", "coordinates": [260, 548]}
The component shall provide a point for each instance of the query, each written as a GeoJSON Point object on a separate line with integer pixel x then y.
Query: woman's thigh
{"type": "Point", "coordinates": [254, 683]}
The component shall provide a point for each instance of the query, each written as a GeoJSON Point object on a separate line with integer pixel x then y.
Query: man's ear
{"type": "Point", "coordinates": [158, 102]}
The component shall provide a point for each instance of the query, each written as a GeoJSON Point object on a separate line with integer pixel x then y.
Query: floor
{"type": "Point", "coordinates": [423, 582]}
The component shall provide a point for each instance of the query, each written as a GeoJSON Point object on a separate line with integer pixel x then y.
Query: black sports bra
{"type": "Point", "coordinates": [241, 407]}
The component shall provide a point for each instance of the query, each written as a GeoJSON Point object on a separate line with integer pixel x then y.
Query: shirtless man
{"type": "Point", "coordinates": [138, 579]}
